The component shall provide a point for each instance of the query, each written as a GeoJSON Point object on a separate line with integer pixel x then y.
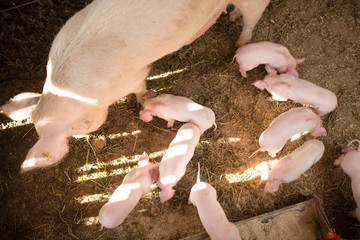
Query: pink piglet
{"type": "Point", "coordinates": [134, 185]}
{"type": "Point", "coordinates": [276, 57]}
{"type": "Point", "coordinates": [173, 164]}
{"type": "Point", "coordinates": [293, 165]}
{"type": "Point", "coordinates": [285, 86]}
{"type": "Point", "coordinates": [288, 124]}
{"type": "Point", "coordinates": [349, 162]}
{"type": "Point", "coordinates": [212, 216]}
{"type": "Point", "coordinates": [171, 108]}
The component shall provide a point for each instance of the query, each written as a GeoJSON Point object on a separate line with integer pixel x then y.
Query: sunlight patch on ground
{"type": "Point", "coordinates": [103, 174]}
{"type": "Point", "coordinates": [232, 139]}
{"type": "Point", "coordinates": [92, 198]}
{"type": "Point", "coordinates": [118, 135]}
{"type": "Point", "coordinates": [92, 176]}
{"type": "Point", "coordinates": [89, 221]}
{"type": "Point", "coordinates": [248, 175]}
{"type": "Point", "coordinates": [166, 74]}
{"type": "Point", "coordinates": [118, 161]}
{"type": "Point", "coordinates": [14, 124]}
{"type": "Point", "coordinates": [298, 135]}
{"type": "Point", "coordinates": [121, 100]}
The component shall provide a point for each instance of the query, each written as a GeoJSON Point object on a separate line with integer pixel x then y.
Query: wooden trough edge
{"type": "Point", "coordinates": [321, 217]}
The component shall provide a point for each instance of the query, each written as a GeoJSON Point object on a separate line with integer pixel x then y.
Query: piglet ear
{"type": "Point", "coordinates": [260, 84]}
{"type": "Point", "coordinates": [46, 152]}
{"type": "Point", "coordinates": [143, 160]}
{"type": "Point", "coordinates": [149, 94]}
{"type": "Point", "coordinates": [154, 173]}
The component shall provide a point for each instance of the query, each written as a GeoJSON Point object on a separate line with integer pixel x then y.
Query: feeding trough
{"type": "Point", "coordinates": [305, 220]}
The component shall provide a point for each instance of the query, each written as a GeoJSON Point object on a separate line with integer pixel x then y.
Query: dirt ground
{"type": "Point", "coordinates": [63, 202]}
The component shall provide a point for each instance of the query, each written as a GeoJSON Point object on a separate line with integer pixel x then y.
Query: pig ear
{"type": "Point", "coordinates": [149, 94]}
{"type": "Point", "coordinates": [260, 84]}
{"type": "Point", "coordinates": [154, 173]}
{"type": "Point", "coordinates": [21, 106]}
{"type": "Point", "coordinates": [45, 152]}
{"type": "Point", "coordinates": [143, 160]}
{"type": "Point", "coordinates": [145, 115]}
{"type": "Point", "coordinates": [269, 69]}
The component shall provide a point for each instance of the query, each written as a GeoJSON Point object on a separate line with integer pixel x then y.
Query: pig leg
{"type": "Point", "coordinates": [319, 132]}
{"type": "Point", "coordinates": [166, 194]}
{"type": "Point", "coordinates": [251, 11]}
{"type": "Point", "coordinates": [243, 72]}
{"type": "Point", "coordinates": [234, 14]}
{"type": "Point", "coordinates": [293, 72]}
{"type": "Point", "coordinates": [272, 154]}
{"type": "Point", "coordinates": [170, 122]}
{"type": "Point", "coordinates": [269, 69]}
{"type": "Point", "coordinates": [338, 161]}
{"type": "Point", "coordinates": [271, 186]}
{"type": "Point", "coordinates": [299, 60]}
{"type": "Point", "coordinates": [21, 106]}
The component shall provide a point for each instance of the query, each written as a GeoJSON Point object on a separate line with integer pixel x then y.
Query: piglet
{"type": "Point", "coordinates": [171, 108]}
{"type": "Point", "coordinates": [135, 185]}
{"type": "Point", "coordinates": [293, 165]}
{"type": "Point", "coordinates": [212, 216]}
{"type": "Point", "coordinates": [288, 124]}
{"type": "Point", "coordinates": [173, 165]}
{"type": "Point", "coordinates": [349, 162]}
{"type": "Point", "coordinates": [285, 86]}
{"type": "Point", "coordinates": [276, 57]}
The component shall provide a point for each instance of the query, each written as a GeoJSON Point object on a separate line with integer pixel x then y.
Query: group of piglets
{"type": "Point", "coordinates": [283, 83]}
{"type": "Point", "coordinates": [171, 168]}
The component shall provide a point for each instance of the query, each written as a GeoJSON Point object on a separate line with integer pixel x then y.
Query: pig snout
{"type": "Point", "coordinates": [145, 115]}
{"type": "Point", "coordinates": [46, 152]}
